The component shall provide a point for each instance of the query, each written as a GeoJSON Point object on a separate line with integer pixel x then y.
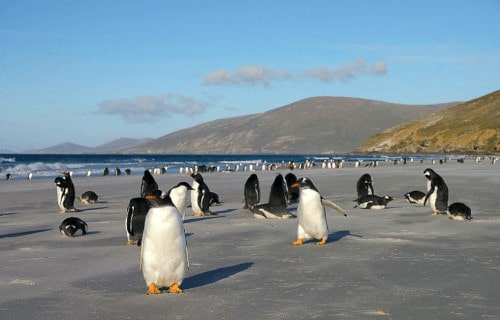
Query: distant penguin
{"type": "Point", "coordinates": [364, 186]}
{"type": "Point", "coordinates": [8, 176]}
{"type": "Point", "coordinates": [459, 211]}
{"type": "Point", "coordinates": [128, 172]}
{"type": "Point", "coordinates": [88, 197]}
{"type": "Point", "coordinates": [437, 192]}
{"type": "Point", "coordinates": [200, 196]}
{"type": "Point", "coordinates": [311, 213]}
{"type": "Point", "coordinates": [164, 257]}
{"type": "Point", "coordinates": [293, 192]}
{"type": "Point", "coordinates": [148, 184]}
{"type": "Point", "coordinates": [105, 172]}
{"type": "Point", "coordinates": [73, 226]}
{"type": "Point", "coordinates": [373, 202]}
{"type": "Point", "coordinates": [415, 196]}
{"type": "Point", "coordinates": [251, 191]}
{"type": "Point", "coordinates": [178, 195]}
{"type": "Point", "coordinates": [30, 175]}
{"type": "Point", "coordinates": [118, 172]}
{"type": "Point", "coordinates": [136, 216]}
{"type": "Point", "coordinates": [65, 193]}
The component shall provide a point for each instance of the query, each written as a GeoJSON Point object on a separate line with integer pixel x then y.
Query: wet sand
{"type": "Point", "coordinates": [395, 263]}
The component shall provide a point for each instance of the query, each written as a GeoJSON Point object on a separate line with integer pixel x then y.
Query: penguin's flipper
{"type": "Point", "coordinates": [333, 205]}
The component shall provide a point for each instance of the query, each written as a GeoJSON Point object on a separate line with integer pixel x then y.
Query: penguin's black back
{"type": "Point", "coordinates": [251, 191]}
{"type": "Point", "coordinates": [70, 226]}
{"type": "Point", "coordinates": [278, 193]}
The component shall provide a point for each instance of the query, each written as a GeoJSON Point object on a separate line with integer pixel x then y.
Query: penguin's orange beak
{"type": "Point", "coordinates": [295, 185]}
{"type": "Point", "coordinates": [150, 197]}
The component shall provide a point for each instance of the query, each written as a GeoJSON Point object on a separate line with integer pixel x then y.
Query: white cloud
{"type": "Point", "coordinates": [152, 108]}
{"type": "Point", "coordinates": [261, 75]}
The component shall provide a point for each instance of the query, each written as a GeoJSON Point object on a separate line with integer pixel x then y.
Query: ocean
{"type": "Point", "coordinates": [44, 166]}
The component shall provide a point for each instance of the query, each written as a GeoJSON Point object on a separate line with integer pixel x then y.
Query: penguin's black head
{"type": "Point", "coordinates": [60, 182]}
{"type": "Point", "coordinates": [157, 201]}
{"type": "Point", "coordinates": [429, 174]}
{"type": "Point", "coordinates": [185, 184]}
{"type": "Point", "coordinates": [304, 183]}
{"type": "Point", "coordinates": [367, 179]}
{"type": "Point", "coordinates": [197, 177]}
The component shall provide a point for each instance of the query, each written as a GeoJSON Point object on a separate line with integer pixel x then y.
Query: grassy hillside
{"type": "Point", "coordinates": [321, 125]}
{"type": "Point", "coordinates": [470, 127]}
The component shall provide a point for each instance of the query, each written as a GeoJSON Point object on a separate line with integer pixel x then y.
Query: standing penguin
{"type": "Point", "coordinates": [364, 186]}
{"type": "Point", "coordinates": [137, 210]}
{"type": "Point", "coordinates": [73, 226]}
{"type": "Point", "coordinates": [148, 184]}
{"type": "Point", "coordinates": [251, 191]}
{"type": "Point", "coordinates": [437, 193]}
{"type": "Point", "coordinates": [178, 194]}
{"type": "Point", "coordinates": [65, 193]}
{"type": "Point", "coordinates": [200, 196]}
{"type": "Point", "coordinates": [293, 192]}
{"type": "Point", "coordinates": [311, 212]}
{"type": "Point", "coordinates": [164, 257]}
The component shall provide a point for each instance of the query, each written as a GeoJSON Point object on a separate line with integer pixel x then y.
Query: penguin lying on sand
{"type": "Point", "coordinates": [312, 214]}
{"type": "Point", "coordinates": [277, 206]}
{"type": "Point", "coordinates": [88, 197]}
{"type": "Point", "coordinates": [459, 211]}
{"type": "Point", "coordinates": [164, 257]}
{"type": "Point", "coordinates": [73, 226]}
{"type": "Point", "coordinates": [372, 201]}
{"type": "Point", "coordinates": [437, 194]}
{"type": "Point", "coordinates": [415, 196]}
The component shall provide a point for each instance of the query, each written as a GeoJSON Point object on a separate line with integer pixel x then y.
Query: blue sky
{"type": "Point", "coordinates": [90, 72]}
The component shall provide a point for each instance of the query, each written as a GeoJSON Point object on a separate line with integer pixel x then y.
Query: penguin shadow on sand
{"type": "Point", "coordinates": [195, 219]}
{"type": "Point", "coordinates": [339, 235]}
{"type": "Point", "coordinates": [23, 233]}
{"type": "Point", "coordinates": [212, 276]}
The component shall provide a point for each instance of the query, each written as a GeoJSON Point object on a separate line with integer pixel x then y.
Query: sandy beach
{"type": "Point", "coordinates": [395, 263]}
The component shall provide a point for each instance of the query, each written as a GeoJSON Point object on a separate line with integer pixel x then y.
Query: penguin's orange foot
{"type": "Point", "coordinates": [198, 214]}
{"type": "Point", "coordinates": [62, 211]}
{"type": "Point", "coordinates": [175, 288]}
{"type": "Point", "coordinates": [435, 213]}
{"type": "Point", "coordinates": [129, 243]}
{"type": "Point", "coordinates": [298, 242]}
{"type": "Point", "coordinates": [153, 289]}
{"type": "Point", "coordinates": [321, 242]}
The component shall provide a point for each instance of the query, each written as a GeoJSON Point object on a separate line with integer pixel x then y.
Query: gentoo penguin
{"type": "Point", "coordinates": [178, 195]}
{"type": "Point", "coordinates": [415, 196]}
{"type": "Point", "coordinates": [73, 226]}
{"type": "Point", "coordinates": [148, 184]}
{"type": "Point", "coordinates": [459, 211]}
{"type": "Point", "coordinates": [251, 191]}
{"type": "Point", "coordinates": [293, 192]}
{"type": "Point", "coordinates": [137, 210]}
{"type": "Point", "coordinates": [372, 201]}
{"type": "Point", "coordinates": [88, 197]}
{"type": "Point", "coordinates": [164, 257]}
{"type": "Point", "coordinates": [437, 192]}
{"type": "Point", "coordinates": [364, 186]}
{"type": "Point", "coordinates": [65, 193]}
{"type": "Point", "coordinates": [105, 172]}
{"type": "Point", "coordinates": [277, 206]}
{"type": "Point", "coordinates": [200, 196]}
{"type": "Point", "coordinates": [311, 213]}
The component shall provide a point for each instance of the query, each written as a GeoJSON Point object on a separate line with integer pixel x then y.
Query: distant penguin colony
{"type": "Point", "coordinates": [65, 193]}
{"type": "Point", "coordinates": [437, 192]}
{"type": "Point", "coordinates": [163, 233]}
{"type": "Point", "coordinates": [312, 214]}
{"type": "Point", "coordinates": [72, 227]}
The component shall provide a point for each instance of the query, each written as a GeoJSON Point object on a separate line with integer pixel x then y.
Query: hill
{"type": "Point", "coordinates": [72, 148]}
{"type": "Point", "coordinates": [470, 127]}
{"type": "Point", "coordinates": [321, 125]}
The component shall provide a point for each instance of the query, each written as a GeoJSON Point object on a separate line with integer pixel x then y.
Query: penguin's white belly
{"type": "Point", "coordinates": [60, 198]}
{"type": "Point", "coordinates": [433, 198]}
{"type": "Point", "coordinates": [194, 198]}
{"type": "Point", "coordinates": [179, 199]}
{"type": "Point", "coordinates": [312, 215]}
{"type": "Point", "coordinates": [164, 255]}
